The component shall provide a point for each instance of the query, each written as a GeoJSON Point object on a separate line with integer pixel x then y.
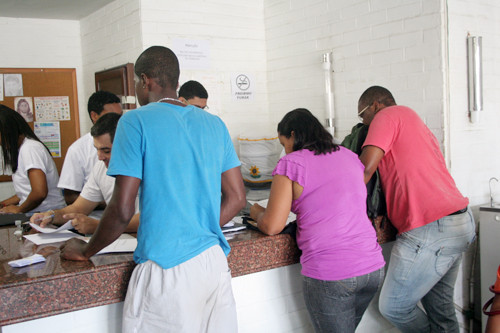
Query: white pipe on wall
{"type": "Point", "coordinates": [329, 102]}
{"type": "Point", "coordinates": [475, 76]}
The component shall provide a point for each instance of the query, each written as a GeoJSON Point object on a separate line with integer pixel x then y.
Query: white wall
{"type": "Point", "coordinates": [111, 36]}
{"type": "Point", "coordinates": [374, 42]}
{"type": "Point", "coordinates": [43, 43]}
{"type": "Point", "coordinates": [475, 148]}
{"type": "Point", "coordinates": [235, 33]}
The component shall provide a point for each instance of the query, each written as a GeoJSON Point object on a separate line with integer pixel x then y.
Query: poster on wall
{"type": "Point", "coordinates": [1, 87]}
{"type": "Point", "coordinates": [24, 106]}
{"type": "Point", "coordinates": [13, 85]}
{"type": "Point", "coordinates": [50, 134]}
{"type": "Point", "coordinates": [192, 54]}
{"type": "Point", "coordinates": [52, 108]}
{"type": "Point", "coordinates": [242, 86]}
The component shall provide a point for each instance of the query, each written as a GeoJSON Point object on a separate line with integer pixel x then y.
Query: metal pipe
{"type": "Point", "coordinates": [329, 101]}
{"type": "Point", "coordinates": [475, 76]}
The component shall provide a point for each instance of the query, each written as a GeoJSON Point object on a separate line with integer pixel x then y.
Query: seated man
{"type": "Point", "coordinates": [98, 188]}
{"type": "Point", "coordinates": [81, 155]}
{"type": "Point", "coordinates": [193, 93]}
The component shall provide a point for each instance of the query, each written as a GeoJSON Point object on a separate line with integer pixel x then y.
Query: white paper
{"type": "Point", "coordinates": [34, 259]}
{"type": "Point", "coordinates": [291, 217]}
{"type": "Point", "coordinates": [233, 226]}
{"type": "Point", "coordinates": [65, 226]}
{"type": "Point", "coordinates": [24, 106]}
{"type": "Point", "coordinates": [52, 108]}
{"type": "Point", "coordinates": [57, 237]}
{"type": "Point", "coordinates": [242, 86]}
{"type": "Point", "coordinates": [13, 84]}
{"type": "Point", "coordinates": [124, 243]}
{"type": "Point", "coordinates": [1, 87]}
{"type": "Point", "coordinates": [192, 54]}
{"type": "Point", "coordinates": [50, 134]}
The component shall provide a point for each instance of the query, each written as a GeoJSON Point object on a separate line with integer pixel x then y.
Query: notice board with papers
{"type": "Point", "coordinates": [51, 94]}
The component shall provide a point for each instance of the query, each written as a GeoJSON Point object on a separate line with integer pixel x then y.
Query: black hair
{"type": "Point", "coordinates": [160, 63]}
{"type": "Point", "coordinates": [192, 89]}
{"type": "Point", "coordinates": [99, 99]}
{"type": "Point", "coordinates": [106, 125]}
{"type": "Point", "coordinates": [379, 94]}
{"type": "Point", "coordinates": [12, 126]}
{"type": "Point", "coordinates": [308, 132]}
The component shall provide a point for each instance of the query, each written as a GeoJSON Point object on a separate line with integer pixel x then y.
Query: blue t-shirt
{"type": "Point", "coordinates": [179, 153]}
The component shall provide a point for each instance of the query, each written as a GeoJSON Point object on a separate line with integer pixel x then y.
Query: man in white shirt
{"type": "Point", "coordinates": [98, 188]}
{"type": "Point", "coordinates": [193, 93]}
{"type": "Point", "coordinates": [81, 155]}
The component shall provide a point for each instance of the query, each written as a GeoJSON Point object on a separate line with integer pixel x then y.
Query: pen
{"type": "Point", "coordinates": [45, 217]}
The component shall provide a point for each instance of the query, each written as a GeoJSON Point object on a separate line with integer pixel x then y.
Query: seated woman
{"type": "Point", "coordinates": [34, 172]}
{"type": "Point", "coordinates": [321, 182]}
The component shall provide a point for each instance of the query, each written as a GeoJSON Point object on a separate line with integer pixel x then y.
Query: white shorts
{"type": "Point", "coordinates": [195, 296]}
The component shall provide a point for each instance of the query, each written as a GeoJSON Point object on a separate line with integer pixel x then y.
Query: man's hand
{"type": "Point", "coordinates": [11, 209]}
{"type": "Point", "coordinates": [82, 223]}
{"type": "Point", "coordinates": [73, 250]}
{"type": "Point", "coordinates": [42, 219]}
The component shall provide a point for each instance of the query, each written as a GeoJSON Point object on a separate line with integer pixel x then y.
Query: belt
{"type": "Point", "coordinates": [461, 211]}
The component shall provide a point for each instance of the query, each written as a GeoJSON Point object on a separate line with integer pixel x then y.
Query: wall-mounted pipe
{"type": "Point", "coordinates": [329, 102]}
{"type": "Point", "coordinates": [475, 76]}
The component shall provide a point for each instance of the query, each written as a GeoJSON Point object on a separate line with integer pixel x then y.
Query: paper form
{"type": "Point", "coordinates": [291, 217]}
{"type": "Point", "coordinates": [65, 226]}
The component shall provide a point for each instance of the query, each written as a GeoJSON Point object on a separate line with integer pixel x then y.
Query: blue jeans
{"type": "Point", "coordinates": [337, 306]}
{"type": "Point", "coordinates": [423, 267]}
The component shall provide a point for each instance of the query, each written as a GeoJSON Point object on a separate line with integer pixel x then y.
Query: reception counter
{"type": "Point", "coordinates": [58, 286]}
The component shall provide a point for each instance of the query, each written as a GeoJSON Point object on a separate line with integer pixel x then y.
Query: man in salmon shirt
{"type": "Point", "coordinates": [434, 223]}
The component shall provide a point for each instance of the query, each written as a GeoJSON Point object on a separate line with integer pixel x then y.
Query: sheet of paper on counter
{"type": "Point", "coordinates": [54, 237]}
{"type": "Point", "coordinates": [65, 226]}
{"type": "Point", "coordinates": [291, 217]}
{"type": "Point", "coordinates": [124, 243]}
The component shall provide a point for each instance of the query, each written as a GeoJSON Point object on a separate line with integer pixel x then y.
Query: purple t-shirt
{"type": "Point", "coordinates": [334, 233]}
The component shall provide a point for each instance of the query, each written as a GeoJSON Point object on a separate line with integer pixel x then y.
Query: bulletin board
{"type": "Point", "coordinates": [48, 83]}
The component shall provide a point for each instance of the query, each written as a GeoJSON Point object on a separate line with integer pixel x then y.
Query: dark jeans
{"type": "Point", "coordinates": [337, 306]}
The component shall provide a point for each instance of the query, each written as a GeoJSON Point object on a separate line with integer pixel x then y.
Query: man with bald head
{"type": "Point", "coordinates": [433, 220]}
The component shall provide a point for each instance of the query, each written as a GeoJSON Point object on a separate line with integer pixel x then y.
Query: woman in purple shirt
{"type": "Point", "coordinates": [321, 182]}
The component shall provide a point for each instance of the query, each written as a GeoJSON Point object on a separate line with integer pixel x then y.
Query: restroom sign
{"type": "Point", "coordinates": [242, 86]}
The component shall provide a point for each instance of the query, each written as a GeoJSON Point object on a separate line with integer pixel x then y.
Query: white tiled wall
{"type": "Point", "coordinates": [234, 30]}
{"type": "Point", "coordinates": [475, 148]}
{"type": "Point", "coordinates": [110, 37]}
{"type": "Point", "coordinates": [390, 43]}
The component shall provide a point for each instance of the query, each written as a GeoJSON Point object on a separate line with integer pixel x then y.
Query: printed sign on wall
{"type": "Point", "coordinates": [242, 86]}
{"type": "Point", "coordinates": [192, 54]}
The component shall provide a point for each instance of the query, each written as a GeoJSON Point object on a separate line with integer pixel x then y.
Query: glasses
{"type": "Point", "coordinates": [201, 107]}
{"type": "Point", "coordinates": [360, 114]}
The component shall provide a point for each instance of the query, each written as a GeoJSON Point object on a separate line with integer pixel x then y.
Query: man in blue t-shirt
{"type": "Point", "coordinates": [182, 159]}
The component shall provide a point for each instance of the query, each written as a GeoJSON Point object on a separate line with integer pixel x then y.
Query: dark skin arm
{"type": "Point", "coordinates": [70, 196]}
{"type": "Point", "coordinates": [233, 195]}
{"type": "Point", "coordinates": [39, 191]}
{"type": "Point", "coordinates": [493, 324]}
{"type": "Point", "coordinates": [114, 221]}
{"type": "Point", "coordinates": [370, 157]}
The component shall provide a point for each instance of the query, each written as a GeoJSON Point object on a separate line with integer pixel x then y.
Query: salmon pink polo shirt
{"type": "Point", "coordinates": [417, 185]}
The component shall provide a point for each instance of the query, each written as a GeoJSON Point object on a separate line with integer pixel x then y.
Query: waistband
{"type": "Point", "coordinates": [461, 211]}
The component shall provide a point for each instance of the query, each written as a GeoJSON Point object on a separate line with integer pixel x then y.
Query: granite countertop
{"type": "Point", "coordinates": [57, 286]}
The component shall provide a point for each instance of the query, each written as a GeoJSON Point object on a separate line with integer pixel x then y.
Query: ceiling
{"type": "Point", "coordinates": [50, 9]}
